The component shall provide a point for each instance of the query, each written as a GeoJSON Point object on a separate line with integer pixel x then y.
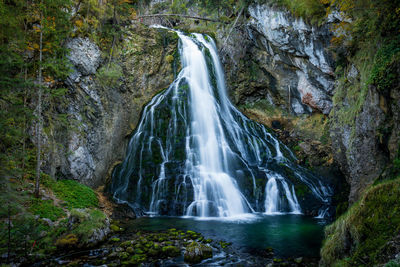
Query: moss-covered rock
{"type": "Point", "coordinates": [130, 250]}
{"type": "Point", "coordinates": [224, 244]}
{"type": "Point", "coordinates": [69, 241]}
{"type": "Point", "coordinates": [359, 237]}
{"type": "Point", "coordinates": [196, 252]}
{"type": "Point", "coordinates": [134, 260]}
{"type": "Point", "coordinates": [123, 255]}
{"type": "Point", "coordinates": [126, 243]}
{"type": "Point", "coordinates": [91, 226]}
{"type": "Point", "coordinates": [171, 251]}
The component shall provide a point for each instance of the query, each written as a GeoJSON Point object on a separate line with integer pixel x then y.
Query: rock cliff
{"type": "Point", "coordinates": [281, 58]}
{"type": "Point", "coordinates": [104, 102]}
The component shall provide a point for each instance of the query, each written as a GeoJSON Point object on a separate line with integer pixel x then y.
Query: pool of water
{"type": "Point", "coordinates": [288, 235]}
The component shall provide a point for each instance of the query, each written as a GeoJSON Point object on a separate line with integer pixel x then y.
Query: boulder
{"type": "Point", "coordinates": [197, 252]}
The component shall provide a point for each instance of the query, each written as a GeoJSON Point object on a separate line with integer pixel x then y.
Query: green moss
{"type": "Point", "coordinates": [171, 251]}
{"type": "Point", "coordinates": [384, 71]}
{"type": "Point", "coordinates": [139, 251]}
{"type": "Point", "coordinates": [89, 220]}
{"type": "Point", "coordinates": [126, 243]}
{"type": "Point", "coordinates": [135, 259]}
{"type": "Point", "coordinates": [365, 228]}
{"type": "Point", "coordinates": [312, 10]}
{"type": "Point", "coordinates": [123, 255]}
{"type": "Point", "coordinates": [196, 252]}
{"type": "Point", "coordinates": [75, 195]}
{"type": "Point", "coordinates": [114, 228]}
{"type": "Point", "coordinates": [169, 59]}
{"type": "Point", "coordinates": [68, 241]}
{"type": "Point", "coordinates": [224, 244]}
{"type": "Point", "coordinates": [46, 209]}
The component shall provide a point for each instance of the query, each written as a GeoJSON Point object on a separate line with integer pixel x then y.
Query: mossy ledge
{"type": "Point", "coordinates": [363, 235]}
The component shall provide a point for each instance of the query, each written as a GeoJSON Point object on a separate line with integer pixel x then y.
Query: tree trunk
{"type": "Point", "coordinates": [115, 22]}
{"type": "Point", "coordinates": [39, 114]}
{"type": "Point", "coordinates": [24, 127]}
{"type": "Point", "coordinates": [9, 232]}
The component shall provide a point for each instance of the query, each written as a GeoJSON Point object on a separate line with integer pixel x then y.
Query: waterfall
{"type": "Point", "coordinates": [193, 153]}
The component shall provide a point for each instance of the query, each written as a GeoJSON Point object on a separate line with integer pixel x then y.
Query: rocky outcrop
{"type": "Point", "coordinates": [89, 226]}
{"type": "Point", "coordinates": [358, 148]}
{"type": "Point", "coordinates": [365, 136]}
{"type": "Point", "coordinates": [104, 102]}
{"type": "Point", "coordinates": [285, 59]}
{"type": "Point", "coordinates": [85, 57]}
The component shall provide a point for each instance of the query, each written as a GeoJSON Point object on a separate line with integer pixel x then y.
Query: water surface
{"type": "Point", "coordinates": [289, 235]}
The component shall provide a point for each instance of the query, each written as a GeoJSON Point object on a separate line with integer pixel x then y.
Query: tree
{"type": "Point", "coordinates": [49, 20]}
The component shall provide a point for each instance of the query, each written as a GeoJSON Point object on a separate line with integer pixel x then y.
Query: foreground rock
{"type": "Point", "coordinates": [196, 252]}
{"type": "Point", "coordinates": [86, 228]}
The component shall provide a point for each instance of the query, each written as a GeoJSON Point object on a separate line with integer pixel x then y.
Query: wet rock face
{"type": "Point", "coordinates": [103, 103]}
{"type": "Point", "coordinates": [285, 59]}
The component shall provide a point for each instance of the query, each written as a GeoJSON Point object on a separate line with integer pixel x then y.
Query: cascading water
{"type": "Point", "coordinates": [193, 153]}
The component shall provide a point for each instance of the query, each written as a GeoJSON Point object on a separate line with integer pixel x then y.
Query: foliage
{"type": "Point", "coordinates": [75, 195]}
{"type": "Point", "coordinates": [178, 7]}
{"type": "Point", "coordinates": [32, 235]}
{"type": "Point", "coordinates": [46, 209]}
{"type": "Point", "coordinates": [365, 22]}
{"type": "Point", "coordinates": [109, 75]}
{"type": "Point", "coordinates": [311, 10]}
{"type": "Point", "coordinates": [384, 73]}
{"type": "Point", "coordinates": [358, 237]}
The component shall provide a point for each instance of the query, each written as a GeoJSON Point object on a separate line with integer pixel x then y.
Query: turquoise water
{"type": "Point", "coordinates": [288, 235]}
